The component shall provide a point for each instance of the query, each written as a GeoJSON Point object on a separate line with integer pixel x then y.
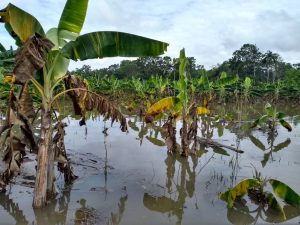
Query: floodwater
{"type": "Point", "coordinates": [129, 178]}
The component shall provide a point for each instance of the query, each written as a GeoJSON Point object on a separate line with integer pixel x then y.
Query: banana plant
{"type": "Point", "coordinates": [179, 105]}
{"type": "Point", "coordinates": [272, 117]}
{"type": "Point", "coordinates": [159, 84]}
{"type": "Point", "coordinates": [266, 200]}
{"type": "Point", "coordinates": [247, 85]}
{"type": "Point", "coordinates": [43, 62]}
{"type": "Point", "coordinates": [223, 82]}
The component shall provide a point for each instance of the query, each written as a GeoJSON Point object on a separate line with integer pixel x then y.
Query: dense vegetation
{"type": "Point", "coordinates": [255, 74]}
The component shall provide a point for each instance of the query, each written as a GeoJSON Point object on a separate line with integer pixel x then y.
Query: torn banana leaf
{"type": "Point", "coordinates": [84, 100]}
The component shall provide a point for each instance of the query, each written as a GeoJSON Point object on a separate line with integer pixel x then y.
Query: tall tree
{"type": "Point", "coordinates": [246, 60]}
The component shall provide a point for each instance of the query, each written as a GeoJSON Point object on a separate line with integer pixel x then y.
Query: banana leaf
{"type": "Point", "coordinates": [73, 16]}
{"type": "Point", "coordinates": [238, 191]}
{"type": "Point", "coordinates": [110, 44]}
{"type": "Point", "coordinates": [285, 192]}
{"type": "Point", "coordinates": [162, 106]}
{"type": "Point", "coordinates": [20, 24]}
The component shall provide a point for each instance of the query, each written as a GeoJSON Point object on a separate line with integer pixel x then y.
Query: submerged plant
{"type": "Point", "coordinates": [43, 61]}
{"type": "Point", "coordinates": [179, 106]}
{"type": "Point", "coordinates": [267, 201]}
{"type": "Point", "coordinates": [272, 117]}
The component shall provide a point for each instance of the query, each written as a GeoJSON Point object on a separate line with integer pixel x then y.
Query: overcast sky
{"type": "Point", "coordinates": [210, 30]}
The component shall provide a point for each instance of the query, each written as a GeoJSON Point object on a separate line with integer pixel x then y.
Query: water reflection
{"type": "Point", "coordinates": [13, 209]}
{"type": "Point", "coordinates": [56, 213]}
{"type": "Point", "coordinates": [272, 148]}
{"type": "Point", "coordinates": [178, 189]}
{"type": "Point", "coordinates": [240, 214]}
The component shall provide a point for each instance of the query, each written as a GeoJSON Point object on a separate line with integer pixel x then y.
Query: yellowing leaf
{"type": "Point", "coordinates": [238, 191]}
{"type": "Point", "coordinates": [285, 192]}
{"type": "Point", "coordinates": [203, 110]}
{"type": "Point", "coordinates": [161, 106]}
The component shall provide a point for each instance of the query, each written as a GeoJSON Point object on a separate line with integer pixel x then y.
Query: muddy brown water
{"type": "Point", "coordinates": [128, 178]}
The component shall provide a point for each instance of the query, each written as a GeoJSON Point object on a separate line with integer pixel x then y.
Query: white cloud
{"type": "Point", "coordinates": [209, 30]}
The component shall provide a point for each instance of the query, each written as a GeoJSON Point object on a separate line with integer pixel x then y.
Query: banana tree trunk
{"type": "Point", "coordinates": [184, 136]}
{"type": "Point", "coordinates": [40, 191]}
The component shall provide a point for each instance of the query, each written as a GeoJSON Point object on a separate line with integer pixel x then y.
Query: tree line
{"type": "Point", "coordinates": [248, 61]}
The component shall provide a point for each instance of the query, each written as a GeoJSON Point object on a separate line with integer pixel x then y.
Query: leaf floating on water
{"type": "Point", "coordinates": [285, 192]}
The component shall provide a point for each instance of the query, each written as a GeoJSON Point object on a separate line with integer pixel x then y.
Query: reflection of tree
{"type": "Point", "coordinates": [85, 214]}
{"type": "Point", "coordinates": [207, 128]}
{"type": "Point", "coordinates": [184, 186]}
{"type": "Point", "coordinates": [54, 213]}
{"type": "Point", "coordinates": [272, 147]}
{"type": "Point", "coordinates": [13, 209]}
{"type": "Point", "coordinates": [117, 216]}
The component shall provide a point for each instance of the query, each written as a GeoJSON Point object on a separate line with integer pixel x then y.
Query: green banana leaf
{"type": "Point", "coordinates": [73, 16]}
{"type": "Point", "coordinates": [274, 205]}
{"type": "Point", "coordinates": [58, 65]}
{"type": "Point", "coordinates": [238, 190]}
{"type": "Point", "coordinates": [285, 192]}
{"type": "Point", "coordinates": [70, 23]}
{"type": "Point", "coordinates": [110, 44]}
{"type": "Point", "coordinates": [58, 37]}
{"type": "Point", "coordinates": [20, 24]}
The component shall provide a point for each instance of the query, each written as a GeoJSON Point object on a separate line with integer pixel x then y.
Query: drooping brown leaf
{"type": "Point", "coordinates": [170, 134]}
{"type": "Point", "coordinates": [31, 57]}
{"type": "Point", "coordinates": [84, 100]}
{"type": "Point", "coordinates": [192, 129]}
{"type": "Point", "coordinates": [25, 103]}
{"type": "Point", "coordinates": [58, 146]}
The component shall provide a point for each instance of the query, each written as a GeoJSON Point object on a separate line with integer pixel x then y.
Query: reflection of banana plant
{"type": "Point", "coordinates": [271, 149]}
{"type": "Point", "coordinates": [178, 189]}
{"type": "Point", "coordinates": [271, 118]}
{"type": "Point", "coordinates": [267, 201]}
